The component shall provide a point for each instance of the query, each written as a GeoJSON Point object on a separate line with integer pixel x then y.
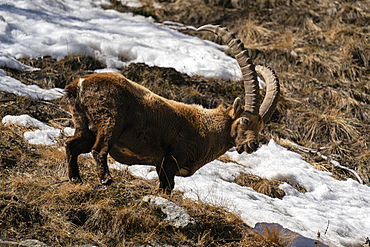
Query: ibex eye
{"type": "Point", "coordinates": [245, 121]}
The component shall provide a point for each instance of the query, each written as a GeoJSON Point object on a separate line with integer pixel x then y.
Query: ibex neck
{"type": "Point", "coordinates": [218, 127]}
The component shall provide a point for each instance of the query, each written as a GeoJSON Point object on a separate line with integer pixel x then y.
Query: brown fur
{"type": "Point", "coordinates": [135, 126]}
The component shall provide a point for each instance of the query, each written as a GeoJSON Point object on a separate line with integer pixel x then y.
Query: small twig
{"type": "Point", "coordinates": [59, 182]}
{"type": "Point", "coordinates": [56, 106]}
{"type": "Point", "coordinates": [6, 100]}
{"type": "Point", "coordinates": [331, 161]}
{"type": "Point", "coordinates": [327, 227]}
{"type": "Point", "coordinates": [323, 148]}
{"type": "Point", "coordinates": [177, 26]}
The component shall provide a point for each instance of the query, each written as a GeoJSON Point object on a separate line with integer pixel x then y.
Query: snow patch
{"type": "Point", "coordinates": [58, 28]}
{"type": "Point", "coordinates": [11, 85]}
{"type": "Point", "coordinates": [44, 135]}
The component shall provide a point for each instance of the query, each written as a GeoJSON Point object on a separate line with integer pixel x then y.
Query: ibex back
{"type": "Point", "coordinates": [113, 115]}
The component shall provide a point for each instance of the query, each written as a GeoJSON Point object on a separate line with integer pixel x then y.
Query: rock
{"type": "Point", "coordinates": [153, 244]}
{"type": "Point", "coordinates": [8, 243]}
{"type": "Point", "coordinates": [31, 243]}
{"type": "Point", "coordinates": [25, 243]}
{"type": "Point", "coordinates": [175, 214]}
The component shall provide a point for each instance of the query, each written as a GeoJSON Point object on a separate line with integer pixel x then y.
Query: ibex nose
{"type": "Point", "coordinates": [253, 145]}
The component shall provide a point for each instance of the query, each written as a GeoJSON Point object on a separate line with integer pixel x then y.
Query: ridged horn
{"type": "Point", "coordinates": [251, 85]}
{"type": "Point", "coordinates": [272, 92]}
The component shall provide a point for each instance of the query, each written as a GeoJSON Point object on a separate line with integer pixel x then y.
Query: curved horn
{"type": "Point", "coordinates": [272, 92]}
{"type": "Point", "coordinates": [251, 85]}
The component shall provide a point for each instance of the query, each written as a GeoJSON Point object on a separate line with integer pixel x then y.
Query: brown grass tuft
{"type": "Point", "coordinates": [332, 124]}
{"type": "Point", "coordinates": [268, 188]}
{"type": "Point", "coordinates": [254, 35]}
{"type": "Point", "coordinates": [264, 186]}
{"type": "Point", "coordinates": [275, 234]}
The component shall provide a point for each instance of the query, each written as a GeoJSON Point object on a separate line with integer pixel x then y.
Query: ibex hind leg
{"type": "Point", "coordinates": [106, 137]}
{"type": "Point", "coordinates": [166, 173]}
{"type": "Point", "coordinates": [82, 142]}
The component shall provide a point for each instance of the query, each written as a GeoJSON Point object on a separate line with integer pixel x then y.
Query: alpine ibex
{"type": "Point", "coordinates": [113, 115]}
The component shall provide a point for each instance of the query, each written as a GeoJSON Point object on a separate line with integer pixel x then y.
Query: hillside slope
{"type": "Point", "coordinates": [320, 51]}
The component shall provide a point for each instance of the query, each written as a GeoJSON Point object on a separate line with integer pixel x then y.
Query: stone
{"type": "Point", "coordinates": [31, 243]}
{"type": "Point", "coordinates": [174, 214]}
{"type": "Point", "coordinates": [8, 243]}
{"type": "Point", "coordinates": [25, 243]}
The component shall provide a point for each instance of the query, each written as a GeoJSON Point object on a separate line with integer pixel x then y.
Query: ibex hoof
{"type": "Point", "coordinates": [106, 181]}
{"type": "Point", "coordinates": [166, 190]}
{"type": "Point", "coordinates": [75, 180]}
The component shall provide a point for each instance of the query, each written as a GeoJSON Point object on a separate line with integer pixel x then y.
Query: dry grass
{"type": "Point", "coordinates": [333, 124]}
{"type": "Point", "coordinates": [320, 51]}
{"type": "Point", "coordinates": [37, 202]}
{"type": "Point", "coordinates": [266, 186]}
{"type": "Point", "coordinates": [255, 35]}
{"type": "Point", "coordinates": [275, 234]}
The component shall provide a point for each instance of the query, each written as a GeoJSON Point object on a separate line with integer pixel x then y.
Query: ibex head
{"type": "Point", "coordinates": [248, 119]}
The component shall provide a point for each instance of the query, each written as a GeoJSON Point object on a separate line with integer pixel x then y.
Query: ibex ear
{"type": "Point", "coordinates": [237, 108]}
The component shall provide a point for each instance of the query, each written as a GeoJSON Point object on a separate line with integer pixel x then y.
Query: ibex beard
{"type": "Point", "coordinates": [116, 116]}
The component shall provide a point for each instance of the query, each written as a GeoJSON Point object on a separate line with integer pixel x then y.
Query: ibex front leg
{"type": "Point", "coordinates": [166, 173]}
{"type": "Point", "coordinates": [106, 137]}
{"type": "Point", "coordinates": [82, 142]}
